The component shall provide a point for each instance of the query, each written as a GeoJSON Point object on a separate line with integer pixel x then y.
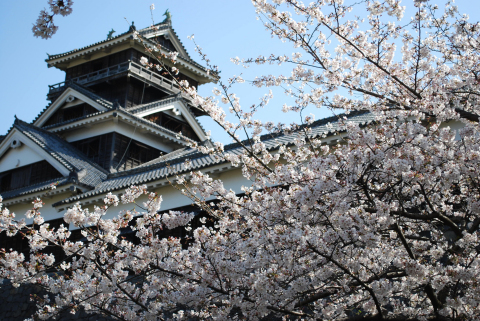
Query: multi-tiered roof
{"type": "Point", "coordinates": [113, 123]}
{"type": "Point", "coordinates": [111, 111]}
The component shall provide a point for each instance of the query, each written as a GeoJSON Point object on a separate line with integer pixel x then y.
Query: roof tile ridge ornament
{"type": "Point", "coordinates": [168, 17]}
{"type": "Point", "coordinates": [116, 105]}
{"type": "Point", "coordinates": [110, 34]}
{"type": "Point", "coordinates": [132, 27]}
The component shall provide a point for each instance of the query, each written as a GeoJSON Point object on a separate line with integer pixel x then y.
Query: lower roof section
{"type": "Point", "coordinates": [172, 164]}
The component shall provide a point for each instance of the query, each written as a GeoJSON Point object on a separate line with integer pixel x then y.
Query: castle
{"type": "Point", "coordinates": [111, 124]}
{"type": "Point", "coordinates": [114, 123]}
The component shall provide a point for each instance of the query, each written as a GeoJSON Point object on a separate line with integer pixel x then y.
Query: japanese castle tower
{"type": "Point", "coordinates": [112, 123]}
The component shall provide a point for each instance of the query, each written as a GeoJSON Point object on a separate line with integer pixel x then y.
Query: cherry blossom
{"type": "Point", "coordinates": [381, 223]}
{"type": "Point", "coordinates": [44, 26]}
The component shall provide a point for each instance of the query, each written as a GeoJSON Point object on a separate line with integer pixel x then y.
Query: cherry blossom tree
{"type": "Point", "coordinates": [383, 224]}
{"type": "Point", "coordinates": [44, 26]}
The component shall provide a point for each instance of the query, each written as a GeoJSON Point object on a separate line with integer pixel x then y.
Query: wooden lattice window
{"type": "Point", "coordinates": [27, 175]}
{"type": "Point", "coordinates": [172, 124]}
{"type": "Point", "coordinates": [70, 113]}
{"type": "Point", "coordinates": [98, 149]}
{"type": "Point", "coordinates": [116, 151]}
{"type": "Point", "coordinates": [130, 153]}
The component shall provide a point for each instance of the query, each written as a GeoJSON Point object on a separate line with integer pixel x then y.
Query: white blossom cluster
{"type": "Point", "coordinates": [381, 224]}
{"type": "Point", "coordinates": [44, 26]}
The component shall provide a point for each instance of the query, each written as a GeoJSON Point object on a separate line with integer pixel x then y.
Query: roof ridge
{"type": "Point", "coordinates": [76, 119]}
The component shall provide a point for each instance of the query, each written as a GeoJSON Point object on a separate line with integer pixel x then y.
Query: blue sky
{"type": "Point", "coordinates": [223, 28]}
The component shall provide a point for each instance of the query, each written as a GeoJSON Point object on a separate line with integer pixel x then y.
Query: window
{"type": "Point", "coordinates": [116, 151]}
{"type": "Point", "coordinates": [172, 124]}
{"type": "Point", "coordinates": [70, 113]}
{"type": "Point", "coordinates": [130, 153]}
{"type": "Point", "coordinates": [27, 175]}
{"type": "Point", "coordinates": [98, 149]}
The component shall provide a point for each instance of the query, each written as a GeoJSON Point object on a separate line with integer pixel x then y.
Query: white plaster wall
{"type": "Point", "coordinates": [24, 154]}
{"type": "Point", "coordinates": [454, 125]}
{"type": "Point", "coordinates": [48, 211]}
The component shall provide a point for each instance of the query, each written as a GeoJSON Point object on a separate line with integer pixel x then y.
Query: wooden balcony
{"type": "Point", "coordinates": [152, 77]}
{"type": "Point", "coordinates": [129, 68]}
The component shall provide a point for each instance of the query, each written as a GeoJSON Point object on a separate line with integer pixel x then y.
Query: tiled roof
{"type": "Point", "coordinates": [156, 126]}
{"type": "Point", "coordinates": [182, 152]}
{"type": "Point", "coordinates": [44, 186]}
{"type": "Point", "coordinates": [144, 107]}
{"type": "Point", "coordinates": [83, 90]}
{"type": "Point", "coordinates": [171, 135]}
{"type": "Point", "coordinates": [50, 57]}
{"type": "Point", "coordinates": [129, 112]}
{"type": "Point", "coordinates": [82, 170]}
{"type": "Point", "coordinates": [160, 26]}
{"type": "Point", "coordinates": [75, 119]}
{"type": "Point", "coordinates": [173, 163]}
{"type": "Point", "coordinates": [166, 25]}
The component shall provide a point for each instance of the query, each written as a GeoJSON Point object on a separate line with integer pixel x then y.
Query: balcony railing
{"type": "Point", "coordinates": [129, 66]}
{"type": "Point", "coordinates": [153, 77]}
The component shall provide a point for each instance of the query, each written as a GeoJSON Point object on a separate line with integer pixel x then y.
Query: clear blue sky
{"type": "Point", "coordinates": [224, 28]}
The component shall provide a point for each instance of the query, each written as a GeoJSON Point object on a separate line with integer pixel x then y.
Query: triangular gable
{"type": "Point", "coordinates": [178, 109]}
{"type": "Point", "coordinates": [169, 34]}
{"type": "Point", "coordinates": [18, 150]}
{"type": "Point", "coordinates": [69, 98]}
{"type": "Point", "coordinates": [59, 158]}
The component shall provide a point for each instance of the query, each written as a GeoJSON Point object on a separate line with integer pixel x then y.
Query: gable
{"type": "Point", "coordinates": [164, 42]}
{"type": "Point", "coordinates": [70, 105]}
{"type": "Point", "coordinates": [69, 112]}
{"type": "Point", "coordinates": [115, 152]}
{"type": "Point", "coordinates": [172, 123]}
{"type": "Point", "coordinates": [18, 150]}
{"type": "Point", "coordinates": [23, 163]}
{"type": "Point", "coordinates": [18, 157]}
{"type": "Point", "coordinates": [177, 116]}
{"type": "Point", "coordinates": [168, 39]}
